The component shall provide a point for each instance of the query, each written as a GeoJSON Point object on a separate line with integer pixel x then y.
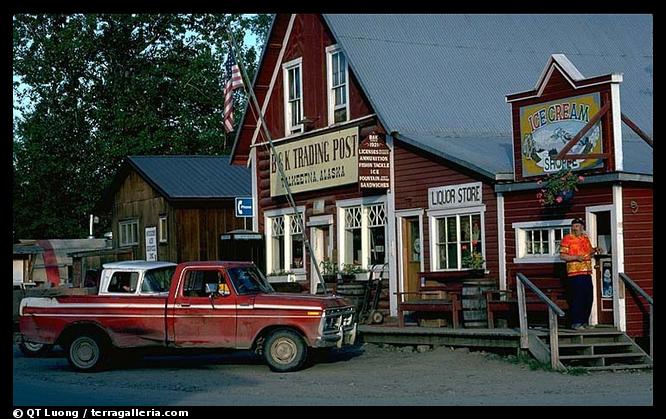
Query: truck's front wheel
{"type": "Point", "coordinates": [87, 352]}
{"type": "Point", "coordinates": [285, 351]}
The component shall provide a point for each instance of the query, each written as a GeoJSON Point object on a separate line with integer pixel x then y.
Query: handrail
{"type": "Point", "coordinates": [645, 295]}
{"type": "Point", "coordinates": [553, 309]}
{"type": "Point", "coordinates": [635, 287]}
{"type": "Point", "coordinates": [543, 297]}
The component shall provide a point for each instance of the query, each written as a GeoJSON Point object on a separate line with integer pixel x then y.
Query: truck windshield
{"type": "Point", "coordinates": [249, 280]}
{"type": "Point", "coordinates": [157, 280]}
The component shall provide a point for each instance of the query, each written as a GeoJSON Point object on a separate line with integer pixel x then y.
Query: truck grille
{"type": "Point", "coordinates": [337, 317]}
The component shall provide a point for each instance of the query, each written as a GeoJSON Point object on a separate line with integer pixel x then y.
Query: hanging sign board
{"type": "Point", "coordinates": [455, 196]}
{"type": "Point", "coordinates": [151, 244]}
{"type": "Point", "coordinates": [374, 163]}
{"type": "Point", "coordinates": [317, 162]}
{"type": "Point", "coordinates": [545, 129]}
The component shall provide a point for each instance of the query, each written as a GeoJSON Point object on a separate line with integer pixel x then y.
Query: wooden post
{"type": "Point", "coordinates": [651, 334]}
{"type": "Point", "coordinates": [522, 314]}
{"type": "Point", "coordinates": [554, 345]}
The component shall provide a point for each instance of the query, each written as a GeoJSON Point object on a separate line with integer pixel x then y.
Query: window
{"type": "Point", "coordinates": [196, 280]}
{"type": "Point", "coordinates": [293, 97]}
{"type": "Point", "coordinates": [163, 229]}
{"type": "Point", "coordinates": [129, 232]}
{"type": "Point", "coordinates": [157, 280]}
{"type": "Point", "coordinates": [457, 236]}
{"type": "Point", "coordinates": [285, 245]}
{"type": "Point", "coordinates": [363, 235]}
{"type": "Point", "coordinates": [337, 85]}
{"type": "Point", "coordinates": [123, 282]}
{"type": "Point", "coordinates": [539, 242]}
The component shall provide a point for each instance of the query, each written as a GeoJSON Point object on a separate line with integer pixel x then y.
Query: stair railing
{"type": "Point", "coordinates": [645, 295]}
{"type": "Point", "coordinates": [553, 311]}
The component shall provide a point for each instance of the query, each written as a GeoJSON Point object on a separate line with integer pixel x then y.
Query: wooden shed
{"type": "Point", "coordinates": [174, 208]}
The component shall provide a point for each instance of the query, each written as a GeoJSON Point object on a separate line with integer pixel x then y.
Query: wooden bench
{"type": "Point", "coordinates": [506, 302]}
{"type": "Point", "coordinates": [430, 301]}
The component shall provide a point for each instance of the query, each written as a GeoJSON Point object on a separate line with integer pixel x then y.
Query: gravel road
{"type": "Point", "coordinates": [364, 375]}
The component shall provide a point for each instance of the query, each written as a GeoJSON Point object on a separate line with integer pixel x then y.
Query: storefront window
{"type": "Point", "coordinates": [457, 236]}
{"type": "Point", "coordinates": [377, 225]}
{"type": "Point", "coordinates": [277, 242]}
{"type": "Point", "coordinates": [353, 235]}
{"type": "Point", "coordinates": [296, 242]}
{"type": "Point", "coordinates": [364, 235]}
{"type": "Point", "coordinates": [539, 241]}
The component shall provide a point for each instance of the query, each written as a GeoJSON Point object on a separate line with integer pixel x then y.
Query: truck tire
{"type": "Point", "coordinates": [87, 352]}
{"type": "Point", "coordinates": [34, 350]}
{"type": "Point", "coordinates": [285, 351]}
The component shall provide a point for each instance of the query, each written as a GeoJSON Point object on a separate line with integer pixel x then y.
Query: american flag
{"type": "Point", "coordinates": [234, 81]}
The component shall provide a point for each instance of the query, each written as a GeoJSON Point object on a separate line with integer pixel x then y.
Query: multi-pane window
{"type": "Point", "coordinates": [539, 242]}
{"type": "Point", "coordinates": [296, 242]}
{"type": "Point", "coordinates": [338, 85]}
{"type": "Point", "coordinates": [286, 243]}
{"type": "Point", "coordinates": [377, 227]}
{"type": "Point", "coordinates": [128, 232]}
{"type": "Point", "coordinates": [353, 247]}
{"type": "Point", "coordinates": [544, 241]}
{"type": "Point", "coordinates": [277, 243]}
{"type": "Point", "coordinates": [457, 236]}
{"type": "Point", "coordinates": [293, 97]}
{"type": "Point", "coordinates": [363, 235]}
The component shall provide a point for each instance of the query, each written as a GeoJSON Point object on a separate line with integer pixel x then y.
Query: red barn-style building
{"type": "Point", "coordinates": [433, 89]}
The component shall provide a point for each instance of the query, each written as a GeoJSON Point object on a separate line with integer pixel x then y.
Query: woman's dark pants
{"type": "Point", "coordinates": [581, 298]}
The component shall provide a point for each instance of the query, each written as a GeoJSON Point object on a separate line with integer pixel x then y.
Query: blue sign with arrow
{"type": "Point", "coordinates": [244, 207]}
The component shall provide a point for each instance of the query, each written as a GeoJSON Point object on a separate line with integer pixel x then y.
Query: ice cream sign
{"type": "Point", "coordinates": [545, 128]}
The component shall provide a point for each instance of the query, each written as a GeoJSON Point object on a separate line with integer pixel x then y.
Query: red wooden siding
{"type": "Point", "coordinates": [308, 41]}
{"type": "Point", "coordinates": [558, 87]}
{"type": "Point", "coordinates": [638, 254]}
{"type": "Point", "coordinates": [524, 207]}
{"type": "Point", "coordinates": [415, 171]}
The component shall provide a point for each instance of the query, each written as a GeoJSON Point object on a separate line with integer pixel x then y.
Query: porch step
{"type": "Point", "coordinates": [598, 349]}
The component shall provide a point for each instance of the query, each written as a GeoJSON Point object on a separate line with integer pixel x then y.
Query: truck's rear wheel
{"type": "Point", "coordinates": [34, 350]}
{"type": "Point", "coordinates": [285, 351]}
{"type": "Point", "coordinates": [87, 352]}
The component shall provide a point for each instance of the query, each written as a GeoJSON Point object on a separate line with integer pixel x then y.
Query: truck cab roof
{"type": "Point", "coordinates": [137, 264]}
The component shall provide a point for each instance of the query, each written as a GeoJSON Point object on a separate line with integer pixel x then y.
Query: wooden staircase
{"type": "Point", "coordinates": [600, 348]}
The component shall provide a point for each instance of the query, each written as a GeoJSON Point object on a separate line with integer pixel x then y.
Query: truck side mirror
{"type": "Point", "coordinates": [212, 288]}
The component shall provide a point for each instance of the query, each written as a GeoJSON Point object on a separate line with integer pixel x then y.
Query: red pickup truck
{"type": "Point", "coordinates": [201, 305]}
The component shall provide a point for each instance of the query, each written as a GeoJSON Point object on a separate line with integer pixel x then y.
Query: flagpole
{"type": "Point", "coordinates": [283, 177]}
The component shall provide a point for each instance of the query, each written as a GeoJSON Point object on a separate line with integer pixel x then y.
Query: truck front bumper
{"type": "Point", "coordinates": [343, 336]}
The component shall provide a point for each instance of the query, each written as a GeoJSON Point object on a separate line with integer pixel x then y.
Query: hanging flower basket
{"type": "Point", "coordinates": [559, 188]}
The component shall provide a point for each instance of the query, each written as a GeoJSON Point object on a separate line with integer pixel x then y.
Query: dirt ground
{"type": "Point", "coordinates": [362, 375]}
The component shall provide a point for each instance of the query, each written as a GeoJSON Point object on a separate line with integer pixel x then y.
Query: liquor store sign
{"type": "Point", "coordinates": [314, 163]}
{"type": "Point", "coordinates": [374, 163]}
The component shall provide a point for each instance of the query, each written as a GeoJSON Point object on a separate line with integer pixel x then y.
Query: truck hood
{"type": "Point", "coordinates": [301, 300]}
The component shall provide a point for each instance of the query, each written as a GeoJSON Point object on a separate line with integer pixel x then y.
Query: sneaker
{"type": "Point", "coordinates": [588, 326]}
{"type": "Point", "coordinates": [577, 326]}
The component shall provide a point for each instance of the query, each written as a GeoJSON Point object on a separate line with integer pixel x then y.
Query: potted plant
{"type": "Point", "coordinates": [281, 276]}
{"type": "Point", "coordinates": [474, 261]}
{"type": "Point", "coordinates": [329, 271]}
{"type": "Point", "coordinates": [558, 188]}
{"type": "Point", "coordinates": [351, 272]}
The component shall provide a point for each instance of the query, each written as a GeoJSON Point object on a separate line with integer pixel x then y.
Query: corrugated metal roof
{"type": "Point", "coordinates": [446, 76]}
{"type": "Point", "coordinates": [190, 177]}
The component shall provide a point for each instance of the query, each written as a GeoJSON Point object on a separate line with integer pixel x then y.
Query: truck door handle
{"type": "Point", "coordinates": [244, 304]}
{"type": "Point", "coordinates": [184, 304]}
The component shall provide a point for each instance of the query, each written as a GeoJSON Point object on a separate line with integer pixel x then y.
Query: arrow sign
{"type": "Point", "coordinates": [244, 207]}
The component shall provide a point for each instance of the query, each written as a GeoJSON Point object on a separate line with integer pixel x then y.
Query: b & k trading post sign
{"type": "Point", "coordinates": [374, 163]}
{"type": "Point", "coordinates": [319, 162]}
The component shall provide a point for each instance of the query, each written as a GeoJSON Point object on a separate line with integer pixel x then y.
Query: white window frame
{"type": "Point", "coordinates": [365, 204]}
{"type": "Point", "coordinates": [121, 236]}
{"type": "Point", "coordinates": [287, 214]}
{"type": "Point", "coordinates": [433, 225]}
{"type": "Point", "coordinates": [330, 52]}
{"type": "Point", "coordinates": [163, 229]}
{"type": "Point", "coordinates": [290, 129]}
{"type": "Point", "coordinates": [521, 230]}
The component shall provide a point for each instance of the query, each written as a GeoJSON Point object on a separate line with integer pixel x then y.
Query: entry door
{"type": "Point", "coordinates": [320, 247]}
{"type": "Point", "coordinates": [600, 229]}
{"type": "Point", "coordinates": [411, 253]}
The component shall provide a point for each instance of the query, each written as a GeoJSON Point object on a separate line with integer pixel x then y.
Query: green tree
{"type": "Point", "coordinates": [93, 89]}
